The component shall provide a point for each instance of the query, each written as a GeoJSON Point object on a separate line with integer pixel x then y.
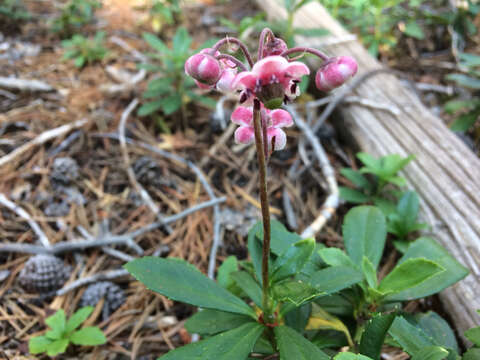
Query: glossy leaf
{"type": "Point", "coordinates": [374, 335]}
{"type": "Point", "coordinates": [350, 356]}
{"type": "Point", "coordinates": [364, 234]}
{"type": "Point", "coordinates": [297, 292]}
{"type": "Point", "coordinates": [90, 335]}
{"type": "Point", "coordinates": [370, 273]}
{"type": "Point", "coordinates": [297, 319]}
{"type": "Point", "coordinates": [255, 250]}
{"type": "Point", "coordinates": [234, 344]}
{"type": "Point", "coordinates": [229, 266]}
{"type": "Point", "coordinates": [322, 320]}
{"type": "Point", "coordinates": [408, 274]}
{"type": "Point", "coordinates": [438, 329]}
{"type": "Point", "coordinates": [293, 260]}
{"type": "Point", "coordinates": [335, 278]}
{"type": "Point", "coordinates": [293, 345]}
{"type": "Point", "coordinates": [429, 249]}
{"type": "Point", "coordinates": [335, 257]}
{"type": "Point", "coordinates": [248, 284]}
{"type": "Point", "coordinates": [411, 339]}
{"type": "Point", "coordinates": [181, 281]}
{"type": "Point", "coordinates": [431, 353]}
{"type": "Point", "coordinates": [211, 322]}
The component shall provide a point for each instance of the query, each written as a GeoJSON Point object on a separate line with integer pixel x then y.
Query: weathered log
{"type": "Point", "coordinates": [445, 173]}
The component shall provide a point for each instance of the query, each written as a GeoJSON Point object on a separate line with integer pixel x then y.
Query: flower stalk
{"type": "Point", "coordinates": [262, 165]}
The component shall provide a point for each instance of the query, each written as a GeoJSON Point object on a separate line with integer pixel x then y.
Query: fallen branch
{"type": "Point", "coordinates": [109, 275]}
{"type": "Point", "coordinates": [41, 139]}
{"type": "Point", "coordinates": [23, 214]}
{"type": "Point", "coordinates": [12, 83]}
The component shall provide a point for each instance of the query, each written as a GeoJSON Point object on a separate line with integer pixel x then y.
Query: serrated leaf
{"type": "Point", "coordinates": [408, 336]}
{"type": "Point", "coordinates": [431, 353]}
{"type": "Point", "coordinates": [78, 318]}
{"type": "Point", "coordinates": [88, 336]}
{"type": "Point", "coordinates": [335, 257]}
{"type": "Point", "coordinates": [293, 260]}
{"type": "Point", "coordinates": [322, 320]}
{"type": "Point", "coordinates": [292, 345]}
{"type": "Point", "coordinates": [429, 249]}
{"type": "Point", "coordinates": [294, 291]}
{"type": "Point", "coordinates": [38, 344]}
{"type": "Point", "coordinates": [181, 281]}
{"type": "Point", "coordinates": [438, 329]}
{"type": "Point", "coordinates": [234, 344]}
{"type": "Point", "coordinates": [57, 347]}
{"type": "Point", "coordinates": [211, 322]}
{"type": "Point", "coordinates": [409, 274]}
{"type": "Point", "coordinates": [335, 278]}
{"type": "Point", "coordinates": [364, 234]}
{"type": "Point", "coordinates": [374, 335]}
{"type": "Point", "coordinates": [248, 284]}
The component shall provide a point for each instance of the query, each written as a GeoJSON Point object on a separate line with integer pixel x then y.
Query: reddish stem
{"type": "Point", "coordinates": [302, 49]}
{"type": "Point", "coordinates": [233, 59]}
{"type": "Point", "coordinates": [232, 40]}
{"type": "Point", "coordinates": [263, 36]}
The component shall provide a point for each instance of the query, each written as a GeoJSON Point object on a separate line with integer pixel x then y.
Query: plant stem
{"type": "Point", "coordinates": [263, 36]}
{"type": "Point", "coordinates": [303, 49]}
{"type": "Point", "coordinates": [237, 62]}
{"type": "Point", "coordinates": [232, 40]}
{"type": "Point", "coordinates": [268, 316]}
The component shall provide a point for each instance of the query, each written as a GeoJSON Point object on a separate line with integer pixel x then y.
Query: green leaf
{"type": "Point", "coordinates": [211, 322]}
{"type": "Point", "coordinates": [309, 32]}
{"type": "Point", "coordinates": [408, 207]}
{"type": "Point", "coordinates": [409, 274]}
{"type": "Point", "coordinates": [254, 245]}
{"type": "Point", "coordinates": [57, 323]}
{"type": "Point", "coordinates": [281, 238]}
{"type": "Point", "coordinates": [293, 260]}
{"type": "Point", "coordinates": [181, 41]}
{"type": "Point", "coordinates": [370, 273]}
{"type": "Point", "coordinates": [336, 304]}
{"type": "Point", "coordinates": [353, 196]}
{"type": "Point", "coordinates": [350, 356]}
{"type": "Point", "coordinates": [429, 249]}
{"type": "Point", "coordinates": [374, 335]}
{"type": "Point", "coordinates": [38, 344]}
{"type": "Point", "coordinates": [465, 121]}
{"type": "Point", "coordinates": [292, 345]}
{"type": "Point", "coordinates": [181, 281]}
{"type": "Point", "coordinates": [322, 320]}
{"type": "Point", "coordinates": [472, 354]}
{"type": "Point", "coordinates": [453, 106]}
{"type": "Point", "coordinates": [57, 347]}
{"type": "Point", "coordinates": [431, 353]}
{"type": "Point", "coordinates": [470, 60]}
{"type": "Point", "coordinates": [297, 319]}
{"type": "Point", "coordinates": [464, 80]}
{"type": "Point", "coordinates": [79, 61]}
{"type": "Point", "coordinates": [364, 234]}
{"type": "Point", "coordinates": [335, 257]}
{"type": "Point", "coordinates": [170, 104]}
{"type": "Point", "coordinates": [438, 329]}
{"type": "Point", "coordinates": [408, 336]}
{"type": "Point", "coordinates": [160, 85]}
{"type": "Point", "coordinates": [78, 318]}
{"type": "Point", "coordinates": [473, 335]}
{"type": "Point", "coordinates": [225, 270]}
{"type": "Point", "coordinates": [149, 108]}
{"type": "Point", "coordinates": [295, 291]}
{"type": "Point", "coordinates": [414, 30]}
{"type": "Point", "coordinates": [335, 278]}
{"type": "Point", "coordinates": [248, 284]}
{"type": "Point", "coordinates": [156, 43]}
{"type": "Point", "coordinates": [235, 344]}
{"type": "Point", "coordinates": [89, 336]}
{"type": "Point", "coordinates": [358, 179]}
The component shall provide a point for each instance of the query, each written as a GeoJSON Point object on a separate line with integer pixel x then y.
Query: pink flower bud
{"type": "Point", "coordinates": [204, 68]}
{"type": "Point", "coordinates": [274, 47]}
{"type": "Point", "coordinates": [335, 72]}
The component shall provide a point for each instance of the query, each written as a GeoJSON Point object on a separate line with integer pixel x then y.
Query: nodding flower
{"type": "Point", "coordinates": [335, 72]}
{"type": "Point", "coordinates": [204, 68]}
{"type": "Point", "coordinates": [273, 120]}
{"type": "Point", "coordinates": [272, 80]}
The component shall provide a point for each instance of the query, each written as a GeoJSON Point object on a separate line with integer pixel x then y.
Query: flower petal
{"type": "Point", "coordinates": [224, 84]}
{"type": "Point", "coordinates": [281, 118]}
{"type": "Point", "coordinates": [242, 116]}
{"type": "Point", "coordinates": [244, 135]}
{"type": "Point", "coordinates": [296, 70]}
{"type": "Point", "coordinates": [271, 65]}
{"type": "Point", "coordinates": [245, 80]}
{"type": "Point", "coordinates": [280, 138]}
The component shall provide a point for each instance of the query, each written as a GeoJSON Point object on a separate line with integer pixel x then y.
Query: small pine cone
{"type": "Point", "coordinates": [112, 293]}
{"type": "Point", "coordinates": [64, 170]}
{"type": "Point", "coordinates": [44, 274]}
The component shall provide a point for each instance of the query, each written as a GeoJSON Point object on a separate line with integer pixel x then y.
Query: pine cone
{"type": "Point", "coordinates": [112, 293]}
{"type": "Point", "coordinates": [64, 170]}
{"type": "Point", "coordinates": [44, 274]}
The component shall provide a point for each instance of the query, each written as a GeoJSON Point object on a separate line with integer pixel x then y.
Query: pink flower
{"type": "Point", "coordinates": [275, 46]}
{"type": "Point", "coordinates": [203, 67]}
{"type": "Point", "coordinates": [272, 80]}
{"type": "Point", "coordinates": [274, 121]}
{"type": "Point", "coordinates": [224, 84]}
{"type": "Point", "coordinates": [335, 72]}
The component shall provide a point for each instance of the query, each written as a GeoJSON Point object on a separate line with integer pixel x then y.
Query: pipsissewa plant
{"type": "Point", "coordinates": [278, 304]}
{"type": "Point", "coordinates": [63, 332]}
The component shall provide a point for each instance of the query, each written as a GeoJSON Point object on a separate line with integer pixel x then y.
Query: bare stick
{"type": "Point", "coordinates": [110, 275]}
{"type": "Point", "coordinates": [41, 139]}
{"type": "Point", "coordinates": [22, 213]}
{"type": "Point", "coordinates": [331, 203]}
{"type": "Point", "coordinates": [12, 83]}
{"type": "Point", "coordinates": [126, 158]}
